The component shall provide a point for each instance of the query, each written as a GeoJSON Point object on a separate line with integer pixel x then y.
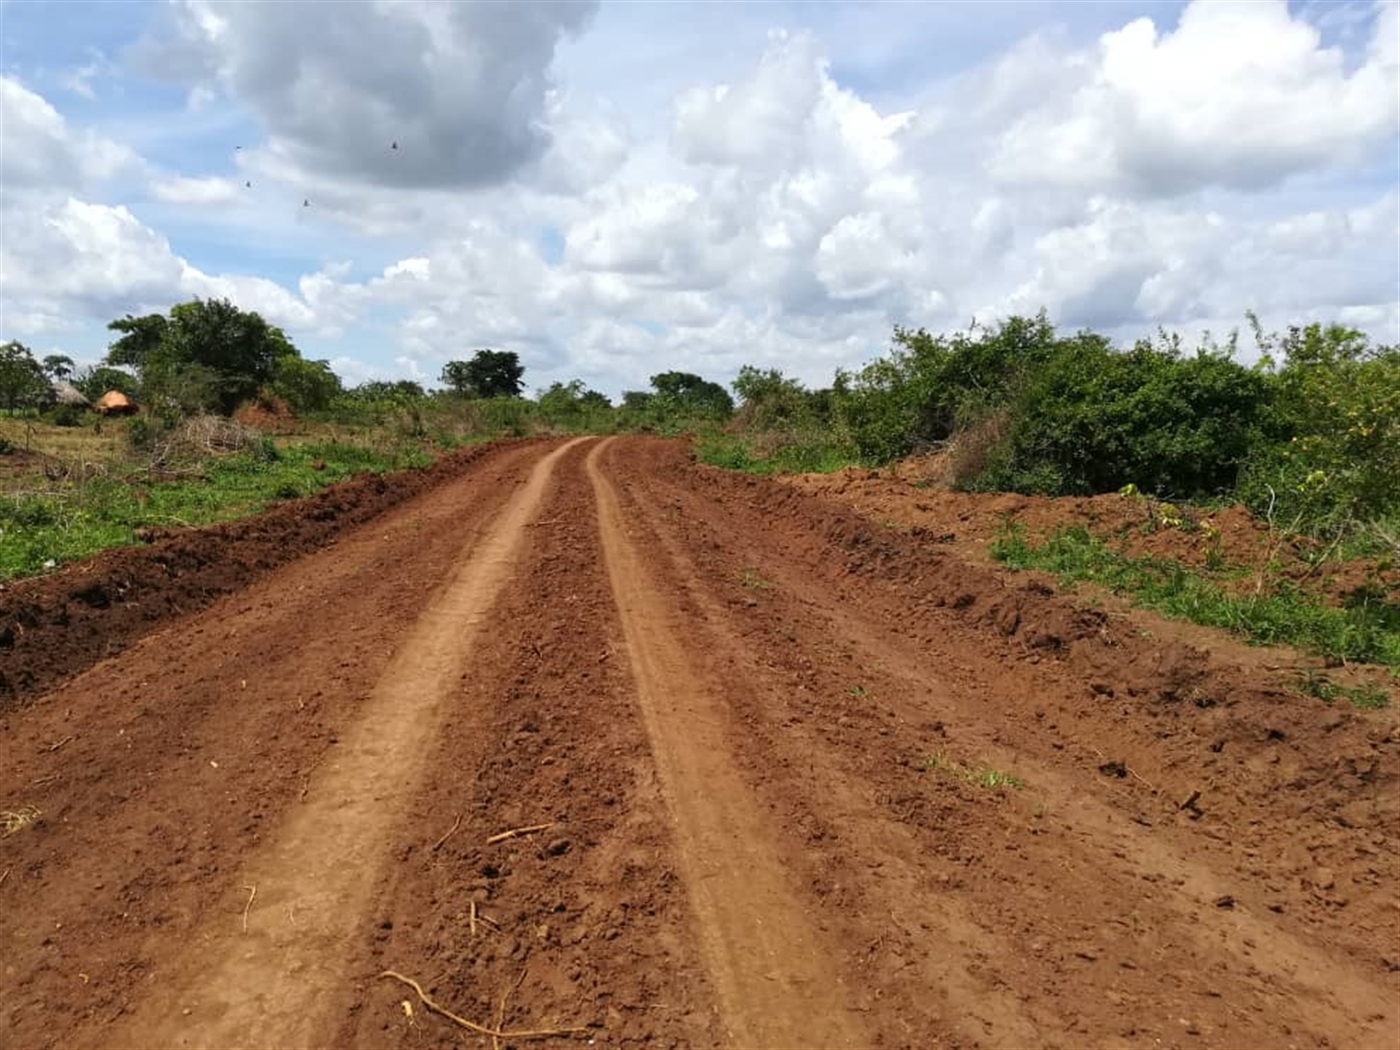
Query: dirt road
{"type": "Point", "coordinates": [787, 779]}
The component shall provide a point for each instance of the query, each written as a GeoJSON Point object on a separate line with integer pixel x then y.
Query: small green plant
{"type": "Point", "coordinates": [983, 775]}
{"type": "Point", "coordinates": [1367, 697]}
{"type": "Point", "coordinates": [751, 580]}
{"type": "Point", "coordinates": [859, 692]}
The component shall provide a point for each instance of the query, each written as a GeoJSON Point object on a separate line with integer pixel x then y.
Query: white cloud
{"type": "Point", "coordinates": [209, 189]}
{"type": "Point", "coordinates": [1240, 95]}
{"type": "Point", "coordinates": [781, 217]}
{"type": "Point", "coordinates": [41, 152]}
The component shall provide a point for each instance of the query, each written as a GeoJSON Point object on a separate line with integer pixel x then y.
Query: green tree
{"type": "Point", "coordinates": [1093, 419]}
{"type": "Point", "coordinates": [572, 405]}
{"type": "Point", "coordinates": [768, 399]}
{"type": "Point", "coordinates": [141, 340]}
{"type": "Point", "coordinates": [57, 366]}
{"type": "Point", "coordinates": [22, 382]}
{"type": "Point", "coordinates": [684, 394]}
{"type": "Point", "coordinates": [1328, 456]}
{"type": "Point", "coordinates": [228, 353]}
{"type": "Point", "coordinates": [490, 373]}
{"type": "Point", "coordinates": [307, 386]}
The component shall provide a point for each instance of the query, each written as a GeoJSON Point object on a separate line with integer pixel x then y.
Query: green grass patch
{"type": "Point", "coordinates": [1367, 632]}
{"type": "Point", "coordinates": [41, 530]}
{"type": "Point", "coordinates": [803, 454]}
{"type": "Point", "coordinates": [1368, 697]}
{"type": "Point", "coordinates": [982, 775]}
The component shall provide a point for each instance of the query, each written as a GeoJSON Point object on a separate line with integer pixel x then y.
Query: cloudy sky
{"type": "Point", "coordinates": [616, 189]}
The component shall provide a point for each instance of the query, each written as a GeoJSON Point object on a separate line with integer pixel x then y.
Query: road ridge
{"type": "Point", "coordinates": [773, 979]}
{"type": "Point", "coordinates": [252, 979]}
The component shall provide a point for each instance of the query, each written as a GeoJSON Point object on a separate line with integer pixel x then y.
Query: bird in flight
{"type": "Point", "coordinates": [249, 185]}
{"type": "Point", "coordinates": [306, 204]}
{"type": "Point", "coordinates": [394, 145]}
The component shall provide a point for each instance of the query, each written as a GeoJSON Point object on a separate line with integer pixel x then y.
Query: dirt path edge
{"type": "Point", "coordinates": [58, 625]}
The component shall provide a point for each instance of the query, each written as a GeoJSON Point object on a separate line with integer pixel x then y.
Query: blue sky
{"type": "Point", "coordinates": [618, 189]}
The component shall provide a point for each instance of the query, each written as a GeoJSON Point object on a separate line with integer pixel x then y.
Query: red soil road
{"type": "Point", "coordinates": [758, 727]}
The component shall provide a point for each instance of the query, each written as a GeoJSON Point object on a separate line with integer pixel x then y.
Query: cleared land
{"type": "Point", "coordinates": [787, 776]}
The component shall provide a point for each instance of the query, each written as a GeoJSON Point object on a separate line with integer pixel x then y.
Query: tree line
{"type": "Point", "coordinates": [1310, 430]}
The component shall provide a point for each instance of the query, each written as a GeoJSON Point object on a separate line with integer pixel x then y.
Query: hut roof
{"type": "Point", "coordinates": [65, 393]}
{"type": "Point", "coordinates": [114, 400]}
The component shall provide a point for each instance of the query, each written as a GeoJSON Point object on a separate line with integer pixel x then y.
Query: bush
{"type": "Point", "coordinates": [66, 415]}
{"type": "Point", "coordinates": [1099, 419]}
{"type": "Point", "coordinates": [1328, 456]}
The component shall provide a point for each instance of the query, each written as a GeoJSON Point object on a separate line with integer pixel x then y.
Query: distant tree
{"type": "Point", "coordinates": [232, 353]}
{"type": "Point", "coordinates": [382, 390]}
{"type": "Point", "coordinates": [686, 394]}
{"type": "Point", "coordinates": [573, 404]}
{"type": "Point", "coordinates": [22, 381]}
{"type": "Point", "coordinates": [306, 386]}
{"type": "Point", "coordinates": [490, 373]}
{"type": "Point", "coordinates": [140, 341]}
{"type": "Point", "coordinates": [456, 376]}
{"type": "Point", "coordinates": [57, 366]}
{"type": "Point", "coordinates": [771, 399]}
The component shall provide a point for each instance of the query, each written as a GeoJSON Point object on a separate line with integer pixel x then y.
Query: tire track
{"type": "Point", "coordinates": [249, 979]}
{"type": "Point", "coordinates": [769, 970]}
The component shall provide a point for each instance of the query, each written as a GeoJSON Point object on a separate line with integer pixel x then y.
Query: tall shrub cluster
{"type": "Point", "coordinates": [1309, 434]}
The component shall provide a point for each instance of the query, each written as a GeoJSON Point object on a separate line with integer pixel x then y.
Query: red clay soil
{"type": "Point", "coordinates": [914, 495]}
{"type": "Point", "coordinates": [55, 625]}
{"type": "Point", "coordinates": [777, 776]}
{"type": "Point", "coordinates": [271, 415]}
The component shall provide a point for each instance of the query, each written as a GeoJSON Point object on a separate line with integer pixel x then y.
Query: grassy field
{"type": "Point", "coordinates": [71, 492]}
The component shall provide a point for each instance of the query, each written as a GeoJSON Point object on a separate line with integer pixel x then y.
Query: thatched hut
{"type": "Point", "coordinates": [65, 393]}
{"type": "Point", "coordinates": [115, 403]}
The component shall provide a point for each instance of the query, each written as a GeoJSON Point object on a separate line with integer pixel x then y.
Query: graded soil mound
{"type": "Point", "coordinates": [55, 625]}
{"type": "Point", "coordinates": [910, 496]}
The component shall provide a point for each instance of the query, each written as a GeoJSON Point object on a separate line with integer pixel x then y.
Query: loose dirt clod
{"type": "Point", "coordinates": [494, 1033]}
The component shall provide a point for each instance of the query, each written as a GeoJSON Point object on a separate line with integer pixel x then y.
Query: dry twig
{"type": "Point", "coordinates": [55, 747]}
{"type": "Point", "coordinates": [251, 895]}
{"type": "Point", "coordinates": [455, 825]}
{"type": "Point", "coordinates": [501, 1010]}
{"type": "Point", "coordinates": [517, 832]}
{"type": "Point", "coordinates": [494, 1033]}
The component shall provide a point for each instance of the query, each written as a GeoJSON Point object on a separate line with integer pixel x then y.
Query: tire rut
{"type": "Point", "coordinates": [308, 888]}
{"type": "Point", "coordinates": [763, 952]}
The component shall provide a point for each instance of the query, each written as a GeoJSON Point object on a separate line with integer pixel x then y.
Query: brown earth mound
{"type": "Point", "coordinates": [271, 415]}
{"type": "Point", "coordinates": [56, 625]}
{"type": "Point", "coordinates": [912, 495]}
